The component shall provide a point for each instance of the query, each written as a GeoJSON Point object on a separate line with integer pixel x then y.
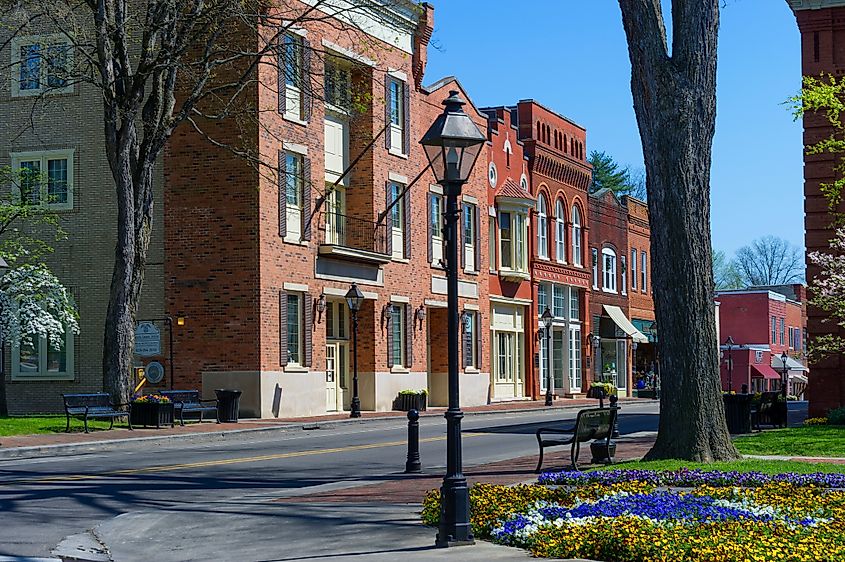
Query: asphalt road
{"type": "Point", "coordinates": [44, 500]}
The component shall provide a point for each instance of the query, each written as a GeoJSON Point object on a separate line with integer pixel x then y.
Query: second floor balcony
{"type": "Point", "coordinates": [352, 238]}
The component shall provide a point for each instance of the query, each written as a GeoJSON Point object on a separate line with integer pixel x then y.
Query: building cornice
{"type": "Point", "coordinates": [798, 5]}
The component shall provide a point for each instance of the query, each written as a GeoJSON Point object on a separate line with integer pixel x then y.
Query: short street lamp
{"type": "Point", "coordinates": [452, 145]}
{"type": "Point", "coordinates": [354, 298]}
{"type": "Point", "coordinates": [784, 383]}
{"type": "Point", "coordinates": [546, 319]}
{"type": "Point", "coordinates": [730, 343]}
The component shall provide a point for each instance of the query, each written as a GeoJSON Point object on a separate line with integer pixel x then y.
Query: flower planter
{"type": "Point", "coordinates": [738, 412]}
{"type": "Point", "coordinates": [150, 414]}
{"type": "Point", "coordinates": [597, 392]}
{"type": "Point", "coordinates": [408, 402]}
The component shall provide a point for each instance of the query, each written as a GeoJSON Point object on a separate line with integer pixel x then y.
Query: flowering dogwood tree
{"type": "Point", "coordinates": [828, 293]}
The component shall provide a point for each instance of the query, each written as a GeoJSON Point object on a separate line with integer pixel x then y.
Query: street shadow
{"type": "Point", "coordinates": [628, 423]}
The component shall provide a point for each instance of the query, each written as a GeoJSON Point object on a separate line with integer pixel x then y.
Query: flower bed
{"type": "Point", "coordinates": [622, 516]}
{"type": "Point", "coordinates": [690, 478]}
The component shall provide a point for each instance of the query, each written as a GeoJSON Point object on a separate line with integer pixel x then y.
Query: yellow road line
{"type": "Point", "coordinates": [221, 462]}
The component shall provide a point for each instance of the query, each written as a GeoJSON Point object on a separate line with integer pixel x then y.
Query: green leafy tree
{"type": "Point", "coordinates": [724, 274]}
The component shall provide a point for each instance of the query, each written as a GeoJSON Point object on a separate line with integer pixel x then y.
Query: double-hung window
{"type": "Point", "coordinates": [782, 331]}
{"type": "Point", "coordinates": [294, 184]}
{"type": "Point", "coordinates": [559, 301]}
{"type": "Point", "coordinates": [542, 298]}
{"type": "Point", "coordinates": [623, 274]}
{"type": "Point", "coordinates": [560, 233]}
{"type": "Point", "coordinates": [436, 226]}
{"type": "Point", "coordinates": [337, 80]}
{"type": "Point", "coordinates": [294, 329]}
{"type": "Point", "coordinates": [292, 56]}
{"type": "Point", "coordinates": [470, 236]}
{"type": "Point", "coordinates": [470, 343]}
{"type": "Point", "coordinates": [396, 114]}
{"type": "Point", "coordinates": [542, 228]}
{"type": "Point", "coordinates": [397, 220]}
{"type": "Point", "coordinates": [774, 329]}
{"type": "Point", "coordinates": [576, 237]}
{"type": "Point", "coordinates": [397, 335]}
{"type": "Point", "coordinates": [634, 270]}
{"type": "Point", "coordinates": [38, 359]}
{"type": "Point", "coordinates": [644, 271]}
{"type": "Point", "coordinates": [595, 255]}
{"type": "Point", "coordinates": [44, 178]}
{"type": "Point", "coordinates": [491, 242]}
{"type": "Point", "coordinates": [513, 251]}
{"type": "Point", "coordinates": [609, 270]}
{"type": "Point", "coordinates": [41, 65]}
{"type": "Point", "coordinates": [574, 304]}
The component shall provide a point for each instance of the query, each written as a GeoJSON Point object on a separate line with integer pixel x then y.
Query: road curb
{"type": "Point", "coordinates": [86, 447]}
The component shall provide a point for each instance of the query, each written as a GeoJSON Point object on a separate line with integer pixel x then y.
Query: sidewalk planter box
{"type": "Point", "coordinates": [646, 393]}
{"type": "Point", "coordinates": [150, 414]}
{"type": "Point", "coordinates": [738, 412]}
{"type": "Point", "coordinates": [408, 402]}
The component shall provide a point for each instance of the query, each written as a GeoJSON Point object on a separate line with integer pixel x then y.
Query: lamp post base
{"type": "Point", "coordinates": [455, 528]}
{"type": "Point", "coordinates": [355, 409]}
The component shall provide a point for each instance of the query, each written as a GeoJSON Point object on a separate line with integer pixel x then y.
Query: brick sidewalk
{"type": "Point", "coordinates": [118, 433]}
{"type": "Point", "coordinates": [411, 488]}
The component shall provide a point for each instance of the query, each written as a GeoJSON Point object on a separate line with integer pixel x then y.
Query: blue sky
{"type": "Point", "coordinates": [572, 57]}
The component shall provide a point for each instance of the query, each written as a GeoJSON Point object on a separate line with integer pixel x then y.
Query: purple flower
{"type": "Point", "coordinates": [693, 477]}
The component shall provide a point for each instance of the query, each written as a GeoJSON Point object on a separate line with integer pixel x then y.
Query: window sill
{"type": "Point", "coordinates": [27, 377]}
{"type": "Point", "coordinates": [294, 119]}
{"type": "Point", "coordinates": [472, 370]}
{"type": "Point", "coordinates": [295, 241]}
{"type": "Point", "coordinates": [543, 258]}
{"type": "Point", "coordinates": [294, 368]}
{"type": "Point", "coordinates": [399, 370]}
{"type": "Point", "coordinates": [561, 262]}
{"type": "Point", "coordinates": [400, 260]}
{"type": "Point", "coordinates": [395, 152]}
{"type": "Point", "coordinates": [609, 291]}
{"type": "Point", "coordinates": [470, 272]}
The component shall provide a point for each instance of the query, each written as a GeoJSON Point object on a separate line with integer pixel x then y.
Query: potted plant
{"type": "Point", "coordinates": [151, 409]}
{"type": "Point", "coordinates": [411, 400]}
{"type": "Point", "coordinates": [601, 390]}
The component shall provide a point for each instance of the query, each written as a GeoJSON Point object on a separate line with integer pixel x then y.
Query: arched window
{"type": "Point", "coordinates": [576, 236]}
{"type": "Point", "coordinates": [560, 232]}
{"type": "Point", "coordinates": [542, 228]}
{"type": "Point", "coordinates": [539, 132]}
{"type": "Point", "coordinates": [608, 258]}
{"type": "Point", "coordinates": [565, 144]}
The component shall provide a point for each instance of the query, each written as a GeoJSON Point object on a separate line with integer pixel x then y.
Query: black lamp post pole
{"type": "Point", "coordinates": [355, 406]}
{"type": "Point", "coordinates": [549, 379]}
{"type": "Point", "coordinates": [784, 381]}
{"type": "Point", "coordinates": [454, 517]}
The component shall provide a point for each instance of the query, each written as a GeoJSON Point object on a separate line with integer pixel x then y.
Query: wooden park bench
{"type": "Point", "coordinates": [91, 406]}
{"type": "Point", "coordinates": [769, 411]}
{"type": "Point", "coordinates": [188, 401]}
{"type": "Point", "coordinates": [592, 423]}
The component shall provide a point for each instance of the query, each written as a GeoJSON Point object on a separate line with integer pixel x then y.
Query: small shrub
{"type": "Point", "coordinates": [815, 421]}
{"type": "Point", "coordinates": [421, 392]}
{"type": "Point", "coordinates": [836, 416]}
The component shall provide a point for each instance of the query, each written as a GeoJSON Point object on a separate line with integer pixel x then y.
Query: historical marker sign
{"type": "Point", "coordinates": [147, 339]}
{"type": "Point", "coordinates": [154, 372]}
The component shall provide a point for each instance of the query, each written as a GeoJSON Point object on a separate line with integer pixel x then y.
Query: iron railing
{"type": "Point", "coordinates": [351, 232]}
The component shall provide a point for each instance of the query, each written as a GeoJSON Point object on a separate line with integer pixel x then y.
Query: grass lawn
{"type": "Point", "coordinates": [810, 441]}
{"type": "Point", "coordinates": [746, 465]}
{"type": "Point", "coordinates": [49, 424]}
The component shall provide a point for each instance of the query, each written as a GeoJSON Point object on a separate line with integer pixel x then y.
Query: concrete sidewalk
{"type": "Point", "coordinates": [59, 444]}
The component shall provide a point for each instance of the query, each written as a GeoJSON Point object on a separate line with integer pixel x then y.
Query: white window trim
{"type": "Point", "coordinates": [43, 374]}
{"type": "Point", "coordinates": [516, 268]}
{"type": "Point", "coordinates": [560, 241]}
{"type": "Point", "coordinates": [594, 256]}
{"type": "Point", "coordinates": [612, 275]}
{"type": "Point", "coordinates": [475, 243]}
{"type": "Point", "coordinates": [347, 53]}
{"type": "Point", "coordinates": [294, 147]}
{"type": "Point", "coordinates": [542, 229]}
{"type": "Point", "coordinates": [44, 155]}
{"type": "Point", "coordinates": [53, 38]}
{"type": "Point", "coordinates": [634, 270]}
{"type": "Point", "coordinates": [577, 242]}
{"type": "Point", "coordinates": [295, 366]}
{"type": "Point", "coordinates": [643, 271]}
{"type": "Point", "coordinates": [399, 363]}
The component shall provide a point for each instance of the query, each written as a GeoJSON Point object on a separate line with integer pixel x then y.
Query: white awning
{"type": "Point", "coordinates": [794, 377]}
{"type": "Point", "coordinates": [622, 321]}
{"type": "Point", "coordinates": [791, 363]}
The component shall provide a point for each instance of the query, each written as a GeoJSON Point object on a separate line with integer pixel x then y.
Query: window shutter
{"type": "Point", "coordinates": [283, 328]}
{"type": "Point", "coordinates": [306, 329]}
{"type": "Point", "coordinates": [283, 197]}
{"type": "Point", "coordinates": [388, 221]}
{"type": "Point", "coordinates": [477, 241]}
{"type": "Point", "coordinates": [306, 199]}
{"type": "Point", "coordinates": [387, 111]}
{"type": "Point", "coordinates": [307, 93]}
{"type": "Point", "coordinates": [406, 119]}
{"type": "Point", "coordinates": [281, 72]}
{"type": "Point", "coordinates": [409, 336]}
{"type": "Point", "coordinates": [479, 336]}
{"type": "Point", "coordinates": [429, 205]}
{"type": "Point", "coordinates": [406, 223]}
{"type": "Point", "coordinates": [389, 338]}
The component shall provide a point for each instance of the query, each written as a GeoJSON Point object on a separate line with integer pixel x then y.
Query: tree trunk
{"type": "Point", "coordinates": [134, 226]}
{"type": "Point", "coordinates": [4, 405]}
{"type": "Point", "coordinates": [675, 104]}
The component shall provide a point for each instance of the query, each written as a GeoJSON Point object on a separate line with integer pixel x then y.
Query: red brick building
{"type": "Point", "coordinates": [258, 262]}
{"type": "Point", "coordinates": [822, 26]}
{"type": "Point", "coordinates": [766, 319]}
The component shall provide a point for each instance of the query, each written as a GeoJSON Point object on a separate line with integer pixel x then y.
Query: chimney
{"type": "Point", "coordinates": [422, 35]}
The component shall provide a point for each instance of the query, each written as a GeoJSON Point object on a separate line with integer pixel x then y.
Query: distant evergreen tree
{"type": "Point", "coordinates": [607, 174]}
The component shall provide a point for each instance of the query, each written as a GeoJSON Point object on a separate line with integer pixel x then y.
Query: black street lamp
{"type": "Point", "coordinates": [730, 343]}
{"type": "Point", "coordinates": [354, 298]}
{"type": "Point", "coordinates": [546, 319]}
{"type": "Point", "coordinates": [452, 145]}
{"type": "Point", "coordinates": [785, 381]}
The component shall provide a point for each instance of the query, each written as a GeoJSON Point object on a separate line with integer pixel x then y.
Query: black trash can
{"type": "Point", "coordinates": [228, 405]}
{"type": "Point", "coordinates": [738, 412]}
